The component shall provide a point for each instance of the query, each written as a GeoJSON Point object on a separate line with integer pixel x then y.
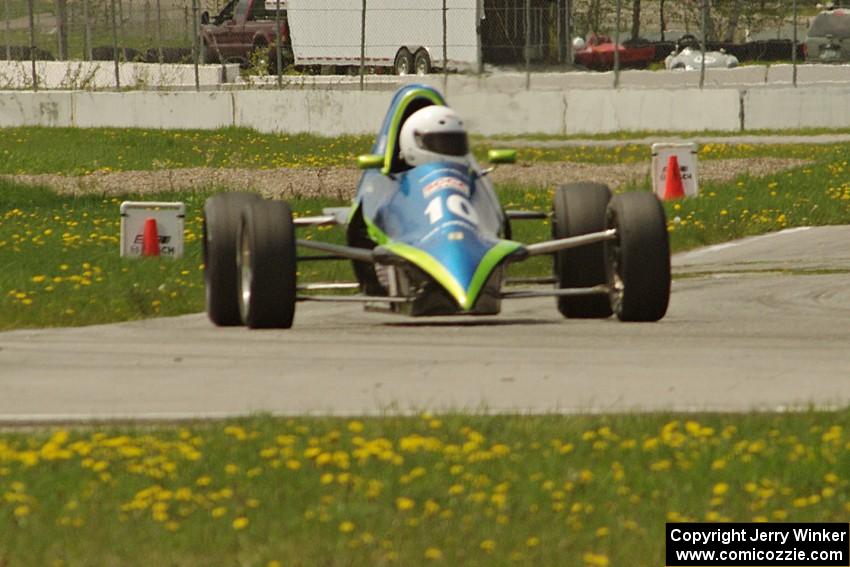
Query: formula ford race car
{"type": "Point", "coordinates": [429, 237]}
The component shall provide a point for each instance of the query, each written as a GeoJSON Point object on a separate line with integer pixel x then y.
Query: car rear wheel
{"type": "Point", "coordinates": [222, 215]}
{"type": "Point", "coordinates": [579, 208]}
{"type": "Point", "coordinates": [638, 263]}
{"type": "Point", "coordinates": [266, 264]}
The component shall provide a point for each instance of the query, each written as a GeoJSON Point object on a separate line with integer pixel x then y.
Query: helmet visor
{"type": "Point", "coordinates": [445, 143]}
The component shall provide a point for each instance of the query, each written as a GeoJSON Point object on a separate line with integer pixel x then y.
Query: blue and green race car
{"type": "Point", "coordinates": [429, 237]}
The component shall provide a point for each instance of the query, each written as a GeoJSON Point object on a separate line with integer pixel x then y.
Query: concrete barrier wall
{"type": "Point", "coordinates": [101, 75]}
{"type": "Point", "coordinates": [815, 107]}
{"type": "Point", "coordinates": [153, 110]}
{"type": "Point", "coordinates": [598, 112]}
{"type": "Point", "coordinates": [332, 113]}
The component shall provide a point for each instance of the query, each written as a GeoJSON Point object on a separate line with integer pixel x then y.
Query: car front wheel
{"type": "Point", "coordinates": [638, 266]}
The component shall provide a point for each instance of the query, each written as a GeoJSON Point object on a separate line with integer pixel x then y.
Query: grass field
{"type": "Point", "coordinates": [588, 491]}
{"type": "Point", "coordinates": [81, 151]}
{"type": "Point", "coordinates": [450, 489]}
{"type": "Point", "coordinates": [59, 262]}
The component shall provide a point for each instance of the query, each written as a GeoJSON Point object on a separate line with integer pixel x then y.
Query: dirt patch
{"type": "Point", "coordinates": [341, 183]}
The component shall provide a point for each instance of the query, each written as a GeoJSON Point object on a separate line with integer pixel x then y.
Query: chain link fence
{"type": "Point", "coordinates": [374, 37]}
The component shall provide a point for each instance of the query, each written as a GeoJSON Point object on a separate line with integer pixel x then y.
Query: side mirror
{"type": "Point", "coordinates": [205, 18]}
{"type": "Point", "coordinates": [501, 156]}
{"type": "Point", "coordinates": [370, 161]}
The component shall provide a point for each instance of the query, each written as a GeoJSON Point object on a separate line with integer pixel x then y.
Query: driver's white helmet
{"type": "Point", "coordinates": [579, 44]}
{"type": "Point", "coordinates": [434, 133]}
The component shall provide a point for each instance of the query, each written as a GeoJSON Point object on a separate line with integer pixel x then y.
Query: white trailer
{"type": "Point", "coordinates": [406, 35]}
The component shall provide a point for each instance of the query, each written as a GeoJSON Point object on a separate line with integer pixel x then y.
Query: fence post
{"type": "Point", "coordinates": [559, 32]}
{"type": "Point", "coordinates": [86, 32]}
{"type": "Point", "coordinates": [121, 35]}
{"type": "Point", "coordinates": [62, 28]}
{"type": "Point", "coordinates": [159, 32]}
{"type": "Point", "coordinates": [661, 17]}
{"type": "Point", "coordinates": [703, 26]}
{"type": "Point", "coordinates": [617, 45]}
{"type": "Point", "coordinates": [278, 56]}
{"type": "Point", "coordinates": [527, 18]}
{"type": "Point", "coordinates": [794, 45]}
{"type": "Point", "coordinates": [32, 44]}
{"type": "Point", "coordinates": [195, 51]}
{"type": "Point", "coordinates": [479, 51]}
{"type": "Point", "coordinates": [7, 30]}
{"type": "Point", "coordinates": [363, 46]}
{"type": "Point", "coordinates": [445, 48]}
{"type": "Point", "coordinates": [185, 24]}
{"type": "Point", "coordinates": [115, 46]}
{"type": "Point", "coordinates": [568, 31]}
{"type": "Point", "coordinates": [147, 9]}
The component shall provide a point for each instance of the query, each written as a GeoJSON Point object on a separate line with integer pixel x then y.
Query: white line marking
{"type": "Point", "coordinates": [743, 241]}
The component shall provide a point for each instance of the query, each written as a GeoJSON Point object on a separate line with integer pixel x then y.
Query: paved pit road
{"type": "Point", "coordinates": [760, 323]}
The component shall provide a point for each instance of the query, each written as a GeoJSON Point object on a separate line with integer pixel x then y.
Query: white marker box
{"type": "Point", "coordinates": [686, 154]}
{"type": "Point", "coordinates": [169, 219]}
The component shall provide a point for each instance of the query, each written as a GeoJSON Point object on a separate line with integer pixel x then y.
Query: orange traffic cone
{"type": "Point", "coordinates": [673, 188]}
{"type": "Point", "coordinates": [150, 238]}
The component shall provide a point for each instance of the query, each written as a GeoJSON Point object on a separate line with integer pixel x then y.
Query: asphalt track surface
{"type": "Point", "coordinates": [762, 323]}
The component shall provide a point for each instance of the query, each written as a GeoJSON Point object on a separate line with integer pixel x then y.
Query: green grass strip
{"type": "Point", "coordinates": [450, 489]}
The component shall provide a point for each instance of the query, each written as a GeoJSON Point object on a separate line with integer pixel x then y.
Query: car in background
{"type": "Point", "coordinates": [828, 38]}
{"type": "Point", "coordinates": [687, 56]}
{"type": "Point", "coordinates": [597, 53]}
{"type": "Point", "coordinates": [244, 30]}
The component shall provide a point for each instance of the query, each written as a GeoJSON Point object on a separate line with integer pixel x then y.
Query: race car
{"type": "Point", "coordinates": [688, 56]}
{"type": "Point", "coordinates": [597, 53]}
{"type": "Point", "coordinates": [427, 236]}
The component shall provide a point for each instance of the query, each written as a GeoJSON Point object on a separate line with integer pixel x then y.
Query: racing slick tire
{"type": "Point", "coordinates": [639, 258]}
{"type": "Point", "coordinates": [403, 64]}
{"type": "Point", "coordinates": [579, 208]}
{"type": "Point", "coordinates": [265, 259]}
{"type": "Point", "coordinates": [222, 215]}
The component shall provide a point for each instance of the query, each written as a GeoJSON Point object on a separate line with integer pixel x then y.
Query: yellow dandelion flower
{"type": "Point", "coordinates": [22, 511]}
{"type": "Point", "coordinates": [433, 553]}
{"type": "Point", "coordinates": [403, 503]}
{"type": "Point", "coordinates": [355, 426]}
{"type": "Point", "coordinates": [532, 541]}
{"type": "Point", "coordinates": [595, 560]}
{"type": "Point", "coordinates": [346, 527]}
{"type": "Point", "coordinates": [488, 545]}
{"type": "Point", "coordinates": [240, 523]}
{"type": "Point", "coordinates": [720, 489]}
{"type": "Point", "coordinates": [218, 511]}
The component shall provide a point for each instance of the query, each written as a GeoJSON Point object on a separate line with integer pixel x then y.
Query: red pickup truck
{"type": "Point", "coordinates": [242, 28]}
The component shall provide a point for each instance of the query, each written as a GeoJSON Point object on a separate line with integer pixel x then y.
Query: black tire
{"type": "Point", "coordinates": [265, 258]}
{"type": "Point", "coordinates": [422, 62]}
{"type": "Point", "coordinates": [579, 208]}
{"type": "Point", "coordinates": [222, 216]}
{"type": "Point", "coordinates": [639, 259]}
{"type": "Point", "coordinates": [403, 64]}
